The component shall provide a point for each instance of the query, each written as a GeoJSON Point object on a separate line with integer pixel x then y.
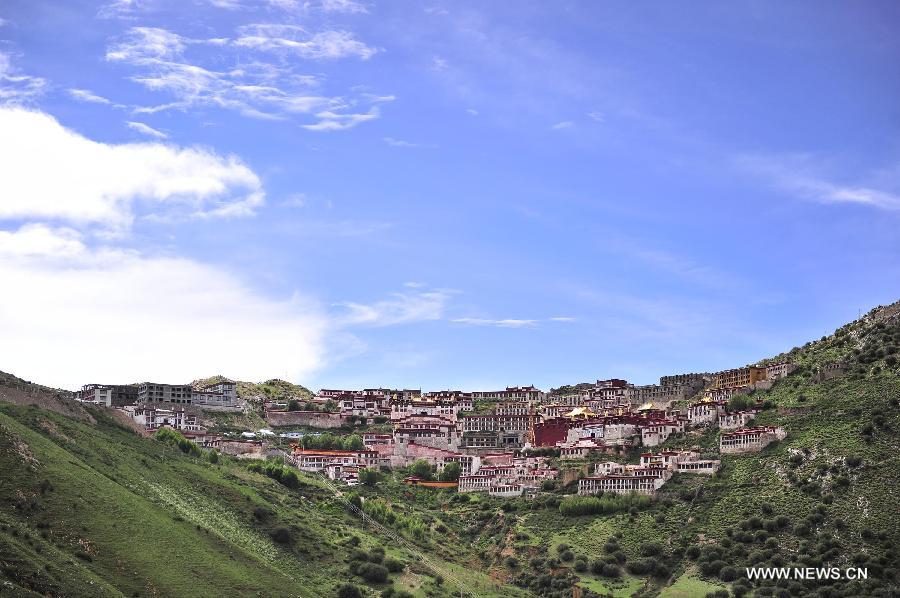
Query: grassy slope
{"type": "Point", "coordinates": [154, 522]}
{"type": "Point", "coordinates": [828, 428]}
{"type": "Point", "coordinates": [95, 510]}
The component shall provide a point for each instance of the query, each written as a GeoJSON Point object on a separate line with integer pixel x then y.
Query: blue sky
{"type": "Point", "coordinates": [445, 194]}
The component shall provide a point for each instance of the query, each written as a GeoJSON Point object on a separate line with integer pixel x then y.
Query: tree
{"type": "Point", "coordinates": [421, 469]}
{"type": "Point", "coordinates": [740, 402]}
{"type": "Point", "coordinates": [293, 405]}
{"type": "Point", "coordinates": [330, 406]}
{"type": "Point", "coordinates": [368, 477]}
{"type": "Point", "coordinates": [353, 442]}
{"type": "Point", "coordinates": [451, 472]}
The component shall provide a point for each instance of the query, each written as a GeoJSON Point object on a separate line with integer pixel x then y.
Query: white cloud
{"type": "Point", "coordinates": [121, 9]}
{"type": "Point", "coordinates": [597, 116]}
{"type": "Point", "coordinates": [257, 89]}
{"type": "Point", "coordinates": [226, 4]}
{"type": "Point", "coordinates": [333, 121]}
{"type": "Point", "coordinates": [566, 124]}
{"type": "Point", "coordinates": [296, 40]}
{"type": "Point", "coordinates": [401, 308]}
{"type": "Point", "coordinates": [143, 44]}
{"type": "Point", "coordinates": [146, 130]}
{"type": "Point", "coordinates": [118, 316]}
{"type": "Point", "coordinates": [563, 319]}
{"type": "Point", "coordinates": [15, 87]}
{"type": "Point", "coordinates": [297, 200]}
{"type": "Point", "coordinates": [798, 174]}
{"type": "Point", "coordinates": [401, 143]}
{"type": "Point", "coordinates": [51, 172]}
{"type": "Point", "coordinates": [343, 6]}
{"type": "Point", "coordinates": [507, 323]}
{"type": "Point", "coordinates": [471, 112]}
{"type": "Point", "coordinates": [83, 95]}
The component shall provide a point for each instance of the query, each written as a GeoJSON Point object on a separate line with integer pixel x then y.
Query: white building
{"type": "Point", "coordinates": [748, 440]}
{"type": "Point", "coordinates": [738, 419]}
{"type": "Point", "coordinates": [153, 419]}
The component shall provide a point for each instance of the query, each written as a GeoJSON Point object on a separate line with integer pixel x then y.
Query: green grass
{"type": "Point", "coordinates": [91, 509]}
{"type": "Point", "coordinates": [689, 586]}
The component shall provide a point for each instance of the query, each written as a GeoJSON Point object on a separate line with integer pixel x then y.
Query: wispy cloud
{"type": "Point", "coordinates": [15, 86]}
{"type": "Point", "coordinates": [121, 9]}
{"type": "Point", "coordinates": [404, 307]}
{"type": "Point", "coordinates": [391, 141]}
{"type": "Point", "coordinates": [507, 323]}
{"type": "Point", "coordinates": [146, 130]}
{"type": "Point", "coordinates": [83, 95]}
{"type": "Point", "coordinates": [510, 322]}
{"type": "Point", "coordinates": [323, 45]}
{"type": "Point", "coordinates": [802, 176]}
{"type": "Point", "coordinates": [336, 121]}
{"type": "Point", "coordinates": [597, 116]}
{"type": "Point", "coordinates": [255, 88]}
{"type": "Point", "coordinates": [566, 124]}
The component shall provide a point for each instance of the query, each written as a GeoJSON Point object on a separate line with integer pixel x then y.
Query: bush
{"type": "Point", "coordinates": [511, 562]}
{"type": "Point", "coordinates": [567, 556]}
{"type": "Point", "coordinates": [728, 573]}
{"type": "Point", "coordinates": [611, 571]}
{"type": "Point", "coordinates": [175, 438]}
{"type": "Point", "coordinates": [348, 590]}
{"type": "Point", "coordinates": [573, 506]}
{"type": "Point", "coordinates": [641, 567]}
{"type": "Point", "coordinates": [282, 535]}
{"type": "Point", "coordinates": [393, 565]}
{"type": "Point", "coordinates": [373, 572]}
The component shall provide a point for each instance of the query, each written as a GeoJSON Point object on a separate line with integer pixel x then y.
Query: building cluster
{"type": "Point", "coordinates": [648, 476]}
{"type": "Point", "coordinates": [222, 394]}
{"type": "Point", "coordinates": [152, 406]}
{"type": "Point", "coordinates": [484, 430]}
{"type": "Point", "coordinates": [488, 433]}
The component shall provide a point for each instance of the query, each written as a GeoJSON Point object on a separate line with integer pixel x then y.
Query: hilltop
{"type": "Point", "coordinates": [88, 508]}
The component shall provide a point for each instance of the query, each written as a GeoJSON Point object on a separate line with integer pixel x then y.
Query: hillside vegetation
{"type": "Point", "coordinates": [88, 508]}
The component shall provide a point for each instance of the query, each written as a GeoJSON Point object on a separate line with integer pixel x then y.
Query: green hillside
{"type": "Point", "coordinates": [87, 507]}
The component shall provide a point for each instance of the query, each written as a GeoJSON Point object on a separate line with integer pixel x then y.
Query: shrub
{"type": "Point", "coordinates": [640, 567]}
{"type": "Point", "coordinates": [282, 535]}
{"type": "Point", "coordinates": [511, 562]}
{"type": "Point", "coordinates": [348, 590]}
{"type": "Point", "coordinates": [373, 572]}
{"type": "Point", "coordinates": [567, 556]}
{"type": "Point", "coordinates": [728, 573]}
{"type": "Point", "coordinates": [393, 565]}
{"type": "Point", "coordinates": [611, 571]}
{"type": "Point", "coordinates": [573, 506]}
{"type": "Point", "coordinates": [175, 438]}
